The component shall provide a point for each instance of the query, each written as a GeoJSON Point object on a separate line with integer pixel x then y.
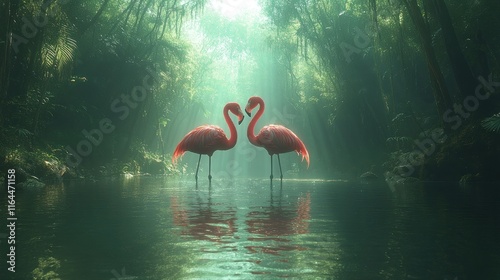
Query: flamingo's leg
{"type": "Point", "coordinates": [209, 168]}
{"type": "Point", "coordinates": [279, 162]}
{"type": "Point", "coordinates": [197, 167]}
{"type": "Point", "coordinates": [271, 177]}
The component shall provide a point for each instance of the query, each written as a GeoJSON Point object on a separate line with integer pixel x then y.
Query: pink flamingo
{"type": "Point", "coordinates": [276, 139]}
{"type": "Point", "coordinates": [206, 139]}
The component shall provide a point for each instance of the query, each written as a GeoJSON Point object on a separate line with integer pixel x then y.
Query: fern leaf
{"type": "Point", "coordinates": [492, 123]}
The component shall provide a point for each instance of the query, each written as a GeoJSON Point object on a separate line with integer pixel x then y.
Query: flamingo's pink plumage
{"type": "Point", "coordinates": [206, 139]}
{"type": "Point", "coordinates": [276, 139]}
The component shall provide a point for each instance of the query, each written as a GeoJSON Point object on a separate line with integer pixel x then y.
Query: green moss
{"type": "Point", "coordinates": [47, 269]}
{"type": "Point", "coordinates": [34, 163]}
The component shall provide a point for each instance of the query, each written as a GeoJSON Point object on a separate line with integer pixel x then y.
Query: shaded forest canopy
{"type": "Point", "coordinates": [404, 88]}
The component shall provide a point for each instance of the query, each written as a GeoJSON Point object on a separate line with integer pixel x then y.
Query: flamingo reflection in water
{"type": "Point", "coordinates": [273, 223]}
{"type": "Point", "coordinates": [204, 223]}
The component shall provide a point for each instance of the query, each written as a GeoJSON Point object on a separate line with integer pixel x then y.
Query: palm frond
{"type": "Point", "coordinates": [58, 54]}
{"type": "Point", "coordinates": [66, 46]}
{"type": "Point", "coordinates": [492, 123]}
{"type": "Point", "coordinates": [24, 133]}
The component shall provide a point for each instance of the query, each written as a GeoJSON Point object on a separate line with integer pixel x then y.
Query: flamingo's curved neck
{"type": "Point", "coordinates": [232, 129]}
{"type": "Point", "coordinates": [251, 127]}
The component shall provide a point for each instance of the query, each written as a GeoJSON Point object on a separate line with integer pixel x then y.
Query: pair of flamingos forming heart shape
{"type": "Point", "coordinates": [206, 139]}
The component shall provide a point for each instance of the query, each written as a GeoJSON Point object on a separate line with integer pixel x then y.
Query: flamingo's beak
{"type": "Point", "coordinates": [248, 113]}
{"type": "Point", "coordinates": [241, 120]}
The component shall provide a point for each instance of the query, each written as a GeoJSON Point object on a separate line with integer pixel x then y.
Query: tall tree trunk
{"type": "Point", "coordinates": [94, 19]}
{"type": "Point", "coordinates": [5, 59]}
{"type": "Point", "coordinates": [461, 70]}
{"type": "Point", "coordinates": [441, 95]}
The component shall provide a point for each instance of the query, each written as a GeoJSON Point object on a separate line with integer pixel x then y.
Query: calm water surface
{"type": "Point", "coordinates": [159, 228]}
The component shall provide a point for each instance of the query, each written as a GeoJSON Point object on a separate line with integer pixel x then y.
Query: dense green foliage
{"type": "Point", "coordinates": [71, 65]}
{"type": "Point", "coordinates": [375, 79]}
